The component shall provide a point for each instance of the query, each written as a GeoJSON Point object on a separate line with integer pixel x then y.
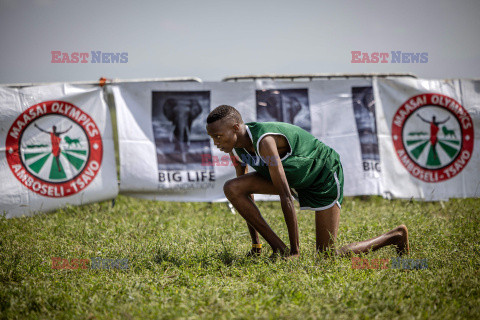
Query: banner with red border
{"type": "Point", "coordinates": [429, 137]}
{"type": "Point", "coordinates": [58, 148]}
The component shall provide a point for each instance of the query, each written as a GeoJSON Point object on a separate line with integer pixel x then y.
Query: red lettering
{"type": "Point", "coordinates": [55, 262]}
{"type": "Point", "coordinates": [224, 161]}
{"type": "Point", "coordinates": [74, 264]}
{"type": "Point", "coordinates": [365, 264]}
{"type": "Point", "coordinates": [355, 57]}
{"type": "Point", "coordinates": [75, 57]}
{"type": "Point", "coordinates": [55, 57]}
{"type": "Point", "coordinates": [83, 263]}
{"type": "Point", "coordinates": [84, 56]}
{"type": "Point", "coordinates": [356, 262]}
{"type": "Point", "coordinates": [65, 57]}
{"type": "Point", "coordinates": [206, 160]}
{"type": "Point", "coordinates": [384, 56]}
{"type": "Point", "coordinates": [365, 58]}
{"type": "Point", "coordinates": [65, 264]}
{"type": "Point", "coordinates": [384, 263]}
{"type": "Point", "coordinates": [234, 161]}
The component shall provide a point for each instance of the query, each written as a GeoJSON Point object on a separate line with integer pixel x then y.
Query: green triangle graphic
{"type": "Point", "coordinates": [433, 159]}
{"type": "Point", "coordinates": [457, 142]}
{"type": "Point", "coordinates": [76, 162]}
{"type": "Point", "coordinates": [84, 152]}
{"type": "Point", "coordinates": [56, 174]}
{"type": "Point", "coordinates": [449, 150]}
{"type": "Point", "coordinates": [32, 154]}
{"type": "Point", "coordinates": [37, 165]}
{"type": "Point", "coordinates": [410, 142]}
{"type": "Point", "coordinates": [416, 152]}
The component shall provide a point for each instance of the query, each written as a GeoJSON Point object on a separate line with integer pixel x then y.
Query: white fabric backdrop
{"type": "Point", "coordinates": [147, 137]}
{"type": "Point", "coordinates": [139, 168]}
{"type": "Point", "coordinates": [451, 170]}
{"type": "Point", "coordinates": [31, 178]}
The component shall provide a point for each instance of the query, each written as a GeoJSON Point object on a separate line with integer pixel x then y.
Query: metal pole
{"type": "Point", "coordinates": [104, 81]}
{"type": "Point", "coordinates": [312, 76]}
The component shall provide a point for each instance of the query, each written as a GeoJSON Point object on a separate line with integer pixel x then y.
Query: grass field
{"type": "Point", "coordinates": [186, 260]}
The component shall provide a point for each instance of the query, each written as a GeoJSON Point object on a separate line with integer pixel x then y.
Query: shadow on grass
{"type": "Point", "coordinates": [164, 255]}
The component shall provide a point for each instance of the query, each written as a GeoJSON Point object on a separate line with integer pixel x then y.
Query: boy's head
{"type": "Point", "coordinates": [223, 125]}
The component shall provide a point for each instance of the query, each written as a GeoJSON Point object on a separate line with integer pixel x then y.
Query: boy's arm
{"type": "Point", "coordinates": [240, 170]}
{"type": "Point", "coordinates": [268, 151]}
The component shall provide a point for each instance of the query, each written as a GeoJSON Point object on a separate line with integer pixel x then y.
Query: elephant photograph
{"type": "Point", "coordinates": [179, 119]}
{"type": "Point", "coordinates": [284, 105]}
{"type": "Point", "coordinates": [364, 109]}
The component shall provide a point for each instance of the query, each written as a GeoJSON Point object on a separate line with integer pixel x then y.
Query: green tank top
{"type": "Point", "coordinates": [309, 161]}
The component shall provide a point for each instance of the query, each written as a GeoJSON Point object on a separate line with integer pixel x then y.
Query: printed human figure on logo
{"type": "Point", "coordinates": [55, 139]}
{"type": "Point", "coordinates": [44, 158]}
{"type": "Point", "coordinates": [434, 131]}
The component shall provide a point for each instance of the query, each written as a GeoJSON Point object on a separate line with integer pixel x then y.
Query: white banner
{"type": "Point", "coordinates": [165, 151]}
{"type": "Point", "coordinates": [429, 137]}
{"type": "Point", "coordinates": [56, 148]}
{"type": "Point", "coordinates": [166, 154]}
{"type": "Point", "coordinates": [340, 113]}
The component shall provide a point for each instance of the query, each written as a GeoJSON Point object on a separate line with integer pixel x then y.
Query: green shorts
{"type": "Point", "coordinates": [321, 196]}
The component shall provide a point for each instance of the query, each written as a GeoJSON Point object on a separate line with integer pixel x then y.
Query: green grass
{"type": "Point", "coordinates": [187, 261]}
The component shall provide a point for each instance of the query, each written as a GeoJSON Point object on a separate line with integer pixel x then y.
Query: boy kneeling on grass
{"type": "Point", "coordinates": [288, 160]}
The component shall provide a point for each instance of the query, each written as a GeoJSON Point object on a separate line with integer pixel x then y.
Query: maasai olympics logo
{"type": "Point", "coordinates": [54, 149]}
{"type": "Point", "coordinates": [433, 137]}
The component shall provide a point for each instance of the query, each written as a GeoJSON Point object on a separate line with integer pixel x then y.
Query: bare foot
{"type": "Point", "coordinates": [403, 248]}
{"type": "Point", "coordinates": [344, 252]}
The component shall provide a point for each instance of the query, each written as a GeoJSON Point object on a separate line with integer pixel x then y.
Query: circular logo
{"type": "Point", "coordinates": [433, 136]}
{"type": "Point", "coordinates": [54, 149]}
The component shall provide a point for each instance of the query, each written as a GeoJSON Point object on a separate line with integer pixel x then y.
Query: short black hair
{"type": "Point", "coordinates": [224, 111]}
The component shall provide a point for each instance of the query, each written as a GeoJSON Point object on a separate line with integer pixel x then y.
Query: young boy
{"type": "Point", "coordinates": [288, 160]}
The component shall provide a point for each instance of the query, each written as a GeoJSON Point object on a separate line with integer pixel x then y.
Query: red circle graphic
{"type": "Point", "coordinates": [88, 162]}
{"type": "Point", "coordinates": [459, 149]}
